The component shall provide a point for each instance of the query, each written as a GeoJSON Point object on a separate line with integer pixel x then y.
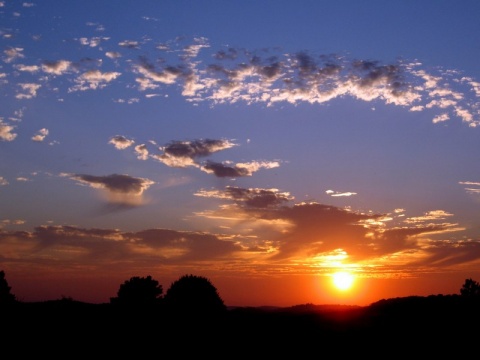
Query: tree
{"type": "Point", "coordinates": [6, 297]}
{"type": "Point", "coordinates": [193, 294]}
{"type": "Point", "coordinates": [470, 288]}
{"type": "Point", "coordinates": [139, 291]}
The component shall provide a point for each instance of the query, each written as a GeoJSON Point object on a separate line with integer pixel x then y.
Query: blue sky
{"type": "Point", "coordinates": [239, 140]}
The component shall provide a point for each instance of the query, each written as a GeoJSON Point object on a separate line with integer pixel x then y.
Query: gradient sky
{"type": "Point", "coordinates": [261, 144]}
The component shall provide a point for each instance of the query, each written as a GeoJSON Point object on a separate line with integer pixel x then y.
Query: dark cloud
{"type": "Point", "coordinates": [318, 228]}
{"type": "Point", "coordinates": [56, 67]}
{"type": "Point", "coordinates": [196, 148]}
{"type": "Point", "coordinates": [185, 153]}
{"type": "Point", "coordinates": [116, 183]}
{"type": "Point", "coordinates": [229, 54]}
{"type": "Point", "coordinates": [389, 241]}
{"type": "Point", "coordinates": [315, 229]}
{"type": "Point", "coordinates": [257, 198]}
{"type": "Point", "coordinates": [189, 246]}
{"type": "Point", "coordinates": [305, 64]}
{"type": "Point", "coordinates": [267, 69]}
{"type": "Point", "coordinates": [222, 170]}
{"type": "Point", "coordinates": [237, 170]}
{"type": "Point", "coordinates": [104, 248]}
{"type": "Point", "coordinates": [167, 74]}
{"type": "Point", "coordinates": [446, 253]}
{"type": "Point", "coordinates": [371, 74]}
{"type": "Point", "coordinates": [121, 191]}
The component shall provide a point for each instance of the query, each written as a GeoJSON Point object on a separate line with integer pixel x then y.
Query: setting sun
{"type": "Point", "coordinates": [343, 280]}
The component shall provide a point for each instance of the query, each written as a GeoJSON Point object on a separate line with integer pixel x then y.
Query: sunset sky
{"type": "Point", "coordinates": [264, 145]}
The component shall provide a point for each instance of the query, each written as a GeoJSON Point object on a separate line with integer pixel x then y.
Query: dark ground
{"type": "Point", "coordinates": [415, 327]}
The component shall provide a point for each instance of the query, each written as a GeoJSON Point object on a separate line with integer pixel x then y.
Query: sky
{"type": "Point", "coordinates": [264, 145]}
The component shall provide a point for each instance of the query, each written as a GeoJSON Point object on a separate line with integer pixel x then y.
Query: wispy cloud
{"type": "Point", "coordinates": [121, 142]}
{"type": "Point", "coordinates": [340, 194]}
{"type": "Point", "coordinates": [12, 54]}
{"type": "Point", "coordinates": [94, 79]}
{"type": "Point", "coordinates": [30, 90]}
{"type": "Point", "coordinates": [41, 135]}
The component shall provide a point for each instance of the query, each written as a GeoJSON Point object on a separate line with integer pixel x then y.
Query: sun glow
{"type": "Point", "coordinates": [343, 280]}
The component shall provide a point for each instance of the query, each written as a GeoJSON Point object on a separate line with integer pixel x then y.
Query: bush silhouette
{"type": "Point", "coordinates": [138, 291]}
{"type": "Point", "coordinates": [192, 294]}
{"type": "Point", "coordinates": [6, 297]}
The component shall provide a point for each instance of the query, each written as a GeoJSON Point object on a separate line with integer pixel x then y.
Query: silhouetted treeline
{"type": "Point", "coordinates": [191, 320]}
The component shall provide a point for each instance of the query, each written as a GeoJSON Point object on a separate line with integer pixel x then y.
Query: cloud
{"type": "Point", "coordinates": [181, 154]}
{"type": "Point", "coordinates": [58, 67]}
{"type": "Point", "coordinates": [253, 197]}
{"type": "Point", "coordinates": [429, 216]}
{"type": "Point", "coordinates": [27, 68]}
{"type": "Point", "coordinates": [113, 54]}
{"type": "Point", "coordinates": [324, 235]}
{"type": "Point", "coordinates": [40, 136]}
{"type": "Point", "coordinates": [130, 44]}
{"type": "Point", "coordinates": [241, 75]}
{"type": "Point", "coordinates": [141, 151]}
{"type": "Point", "coordinates": [12, 54]}
{"type": "Point", "coordinates": [192, 50]}
{"type": "Point", "coordinates": [6, 222]}
{"type": "Point", "coordinates": [473, 187]}
{"type": "Point", "coordinates": [127, 101]}
{"type": "Point", "coordinates": [92, 42]}
{"type": "Point", "coordinates": [168, 75]}
{"type": "Point", "coordinates": [340, 194]}
{"type": "Point", "coordinates": [104, 249]}
{"type": "Point", "coordinates": [184, 153]}
{"type": "Point", "coordinates": [6, 132]}
{"type": "Point", "coordinates": [319, 230]}
{"type": "Point", "coordinates": [94, 79]}
{"type": "Point", "coordinates": [98, 27]}
{"type": "Point", "coordinates": [120, 189]}
{"type": "Point", "coordinates": [440, 118]}
{"type": "Point", "coordinates": [298, 237]}
{"type": "Point", "coordinates": [270, 77]}
{"type": "Point", "coordinates": [30, 90]}
{"type": "Point", "coordinates": [237, 170]}
{"type": "Point", "coordinates": [121, 142]}
{"type": "Point", "coordinates": [3, 181]}
{"type": "Point", "coordinates": [445, 254]}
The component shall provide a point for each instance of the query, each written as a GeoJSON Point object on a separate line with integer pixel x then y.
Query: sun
{"type": "Point", "coordinates": [343, 280]}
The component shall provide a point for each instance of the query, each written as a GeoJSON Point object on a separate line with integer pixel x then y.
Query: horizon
{"type": "Point", "coordinates": [232, 306]}
{"type": "Point", "coordinates": [291, 152]}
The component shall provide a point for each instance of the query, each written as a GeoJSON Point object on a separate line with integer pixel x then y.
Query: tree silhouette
{"type": "Point", "coordinates": [6, 297]}
{"type": "Point", "coordinates": [192, 294]}
{"type": "Point", "coordinates": [470, 288]}
{"type": "Point", "coordinates": [138, 291]}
